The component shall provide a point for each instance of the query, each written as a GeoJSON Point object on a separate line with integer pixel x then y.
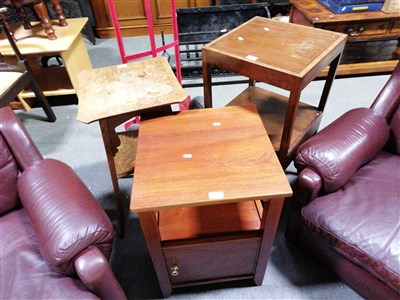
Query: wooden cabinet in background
{"type": "Point", "coordinates": [373, 37]}
{"type": "Point", "coordinates": [132, 17]}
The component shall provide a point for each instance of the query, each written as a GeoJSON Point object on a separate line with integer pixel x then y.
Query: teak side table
{"type": "Point", "coordinates": [285, 55]}
{"type": "Point", "coordinates": [113, 95]}
{"type": "Point", "coordinates": [208, 189]}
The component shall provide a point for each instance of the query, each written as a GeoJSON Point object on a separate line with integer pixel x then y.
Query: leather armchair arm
{"type": "Point", "coordinates": [24, 150]}
{"type": "Point", "coordinates": [65, 216]}
{"type": "Point", "coordinates": [341, 148]}
{"type": "Point", "coordinates": [308, 187]}
{"type": "Point", "coordinates": [95, 272]}
{"type": "Point", "coordinates": [388, 99]}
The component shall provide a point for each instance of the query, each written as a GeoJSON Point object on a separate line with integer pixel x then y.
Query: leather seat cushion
{"type": "Point", "coordinates": [23, 273]}
{"type": "Point", "coordinates": [361, 220]}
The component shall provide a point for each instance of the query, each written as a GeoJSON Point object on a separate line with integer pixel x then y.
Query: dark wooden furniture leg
{"type": "Point", "coordinates": [271, 213]}
{"type": "Point", "coordinates": [328, 83]}
{"type": "Point", "coordinates": [42, 13]}
{"type": "Point", "coordinates": [151, 233]}
{"type": "Point", "coordinates": [107, 132]}
{"type": "Point", "coordinates": [59, 12]}
{"type": "Point", "coordinates": [3, 16]}
{"type": "Point", "coordinates": [43, 101]}
{"type": "Point", "coordinates": [207, 84]}
{"type": "Point", "coordinates": [288, 126]}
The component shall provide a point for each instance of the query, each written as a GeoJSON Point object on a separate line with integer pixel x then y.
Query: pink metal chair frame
{"type": "Point", "coordinates": [154, 49]}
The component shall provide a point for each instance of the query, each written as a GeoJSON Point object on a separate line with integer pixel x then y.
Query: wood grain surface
{"type": "Point", "coordinates": [115, 90]}
{"type": "Point", "coordinates": [208, 156]}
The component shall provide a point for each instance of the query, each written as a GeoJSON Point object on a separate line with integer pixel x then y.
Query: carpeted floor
{"type": "Point", "coordinates": [291, 273]}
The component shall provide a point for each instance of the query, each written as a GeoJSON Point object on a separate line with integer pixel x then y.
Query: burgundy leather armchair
{"type": "Point", "coordinates": [55, 238]}
{"type": "Point", "coordinates": [346, 208]}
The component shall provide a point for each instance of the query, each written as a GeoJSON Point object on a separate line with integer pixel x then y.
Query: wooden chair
{"type": "Point", "coordinates": [15, 78]}
{"type": "Point", "coordinates": [41, 11]}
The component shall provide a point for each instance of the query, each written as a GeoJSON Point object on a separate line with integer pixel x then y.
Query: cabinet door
{"type": "Point", "coordinates": [162, 11]}
{"type": "Point", "coordinates": [132, 16]}
{"type": "Point", "coordinates": [212, 261]}
{"type": "Point", "coordinates": [130, 12]}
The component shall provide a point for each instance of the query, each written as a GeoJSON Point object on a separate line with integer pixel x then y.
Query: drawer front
{"type": "Point", "coordinates": [213, 260]}
{"type": "Point", "coordinates": [359, 30]}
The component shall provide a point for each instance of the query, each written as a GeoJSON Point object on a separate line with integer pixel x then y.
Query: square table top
{"type": "Point", "coordinates": [285, 49]}
{"type": "Point", "coordinates": [34, 41]}
{"type": "Point", "coordinates": [207, 156]}
{"type": "Point", "coordinates": [115, 90]}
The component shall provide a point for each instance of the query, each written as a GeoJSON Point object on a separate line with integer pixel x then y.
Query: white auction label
{"type": "Point", "coordinates": [216, 195]}
{"type": "Point", "coordinates": [251, 57]}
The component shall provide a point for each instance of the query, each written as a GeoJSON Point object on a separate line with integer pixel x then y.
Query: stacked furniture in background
{"type": "Point", "coordinates": [42, 13]}
{"type": "Point", "coordinates": [372, 37]}
{"type": "Point", "coordinates": [55, 238]}
{"type": "Point", "coordinates": [71, 9]}
{"type": "Point", "coordinates": [15, 78]}
{"type": "Point", "coordinates": [347, 198]}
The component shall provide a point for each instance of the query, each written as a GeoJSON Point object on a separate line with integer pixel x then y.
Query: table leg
{"type": "Point", "coordinates": [43, 100]}
{"type": "Point", "coordinates": [269, 224]}
{"type": "Point", "coordinates": [207, 84]}
{"type": "Point", "coordinates": [152, 235]}
{"type": "Point", "coordinates": [76, 59]}
{"type": "Point", "coordinates": [288, 125]}
{"type": "Point", "coordinates": [328, 82]}
{"type": "Point", "coordinates": [106, 134]}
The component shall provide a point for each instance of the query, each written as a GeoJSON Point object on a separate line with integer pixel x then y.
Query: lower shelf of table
{"type": "Point", "coordinates": [189, 223]}
{"type": "Point", "coordinates": [126, 156]}
{"type": "Point", "coordinates": [272, 108]}
{"type": "Point", "coordinates": [52, 81]}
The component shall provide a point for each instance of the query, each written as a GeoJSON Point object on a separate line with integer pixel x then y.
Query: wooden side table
{"type": "Point", "coordinates": [372, 37]}
{"type": "Point", "coordinates": [199, 179]}
{"type": "Point", "coordinates": [285, 55]}
{"type": "Point", "coordinates": [33, 43]}
{"type": "Point", "coordinates": [113, 95]}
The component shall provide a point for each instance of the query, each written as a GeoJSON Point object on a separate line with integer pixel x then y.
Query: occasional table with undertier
{"type": "Point", "coordinates": [287, 56]}
{"type": "Point", "coordinates": [208, 189]}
